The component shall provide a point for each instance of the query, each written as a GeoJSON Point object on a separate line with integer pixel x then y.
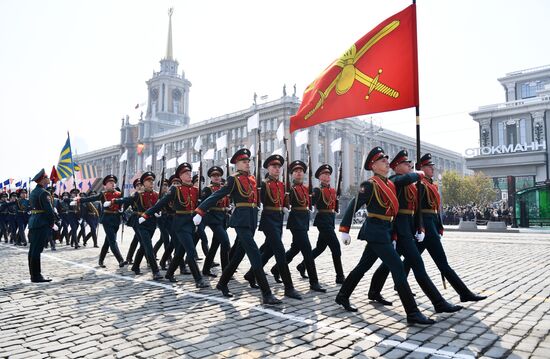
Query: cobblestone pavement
{"type": "Point", "coordinates": [90, 312]}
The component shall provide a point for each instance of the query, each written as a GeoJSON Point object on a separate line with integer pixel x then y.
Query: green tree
{"type": "Point", "coordinates": [461, 191]}
{"type": "Point", "coordinates": [452, 189]}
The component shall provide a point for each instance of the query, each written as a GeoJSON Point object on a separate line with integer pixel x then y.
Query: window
{"type": "Point", "coordinates": [522, 138]}
{"type": "Point", "coordinates": [529, 89]}
{"type": "Point", "coordinates": [501, 133]}
{"type": "Point", "coordinates": [511, 133]}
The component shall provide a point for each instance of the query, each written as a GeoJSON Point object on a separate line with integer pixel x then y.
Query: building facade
{"type": "Point", "coordinates": [166, 123]}
{"type": "Point", "coordinates": [513, 139]}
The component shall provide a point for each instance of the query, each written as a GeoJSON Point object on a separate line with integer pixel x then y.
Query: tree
{"type": "Point", "coordinates": [461, 191]}
{"type": "Point", "coordinates": [452, 189]}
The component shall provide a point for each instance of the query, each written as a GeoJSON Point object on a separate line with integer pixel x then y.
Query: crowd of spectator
{"type": "Point", "coordinates": [497, 212]}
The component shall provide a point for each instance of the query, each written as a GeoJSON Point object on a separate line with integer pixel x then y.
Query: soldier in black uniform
{"type": "Point", "coordinates": [298, 223]}
{"type": "Point", "coordinates": [12, 218]}
{"type": "Point", "coordinates": [241, 187]}
{"type": "Point", "coordinates": [200, 234]}
{"type": "Point", "coordinates": [164, 239]}
{"type": "Point", "coordinates": [324, 199]}
{"type": "Point", "coordinates": [430, 202]}
{"type": "Point", "coordinates": [3, 216]}
{"type": "Point", "coordinates": [274, 200]}
{"type": "Point", "coordinates": [62, 206]}
{"type": "Point", "coordinates": [404, 229]}
{"type": "Point", "coordinates": [169, 217]}
{"type": "Point", "coordinates": [132, 221]}
{"type": "Point", "coordinates": [22, 216]}
{"type": "Point", "coordinates": [141, 202]}
{"type": "Point", "coordinates": [379, 195]}
{"type": "Point", "coordinates": [184, 199]}
{"type": "Point", "coordinates": [215, 219]}
{"type": "Point", "coordinates": [92, 218]}
{"type": "Point", "coordinates": [73, 216]}
{"type": "Point", "coordinates": [110, 218]}
{"type": "Point", "coordinates": [41, 223]}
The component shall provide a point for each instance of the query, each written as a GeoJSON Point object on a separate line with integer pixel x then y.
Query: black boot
{"type": "Point", "coordinates": [122, 264]}
{"type": "Point", "coordinates": [224, 289]}
{"type": "Point", "coordinates": [377, 297]}
{"type": "Point", "coordinates": [267, 296]}
{"type": "Point", "coordinates": [37, 271]}
{"type": "Point", "coordinates": [249, 277]}
{"type": "Point", "coordinates": [290, 291]}
{"type": "Point", "coordinates": [302, 269]}
{"type": "Point", "coordinates": [344, 302]}
{"type": "Point", "coordinates": [275, 271]}
{"type": "Point", "coordinates": [313, 278]}
{"type": "Point", "coordinates": [340, 277]}
{"type": "Point", "coordinates": [413, 314]}
{"type": "Point", "coordinates": [199, 281]}
{"type": "Point", "coordinates": [465, 294]}
{"type": "Point", "coordinates": [316, 287]}
{"type": "Point", "coordinates": [439, 303]}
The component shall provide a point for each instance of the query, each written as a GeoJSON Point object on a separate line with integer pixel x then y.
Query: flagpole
{"type": "Point", "coordinates": [72, 162]}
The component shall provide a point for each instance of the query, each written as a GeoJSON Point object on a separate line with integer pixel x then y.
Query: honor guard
{"type": "Point", "coordinates": [92, 218]}
{"type": "Point", "coordinates": [22, 216]}
{"type": "Point", "coordinates": [73, 216]}
{"type": "Point", "coordinates": [63, 211]}
{"type": "Point", "coordinates": [110, 218]}
{"type": "Point", "coordinates": [12, 217]}
{"type": "Point", "coordinates": [298, 223]}
{"type": "Point", "coordinates": [324, 199]}
{"type": "Point", "coordinates": [169, 217]}
{"type": "Point", "coordinates": [185, 199]}
{"type": "Point", "coordinates": [379, 195]}
{"type": "Point", "coordinates": [141, 202]}
{"type": "Point", "coordinates": [41, 224]}
{"type": "Point", "coordinates": [200, 235]}
{"type": "Point", "coordinates": [404, 228]}
{"type": "Point", "coordinates": [241, 187]}
{"type": "Point", "coordinates": [3, 216]}
{"type": "Point", "coordinates": [215, 219]}
{"type": "Point", "coordinates": [132, 221]}
{"type": "Point", "coordinates": [162, 224]}
{"type": "Point", "coordinates": [430, 203]}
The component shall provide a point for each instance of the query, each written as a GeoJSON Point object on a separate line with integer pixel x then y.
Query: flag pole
{"type": "Point", "coordinates": [72, 162]}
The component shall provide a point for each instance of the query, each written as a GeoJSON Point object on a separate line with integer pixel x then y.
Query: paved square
{"type": "Point", "coordinates": [91, 312]}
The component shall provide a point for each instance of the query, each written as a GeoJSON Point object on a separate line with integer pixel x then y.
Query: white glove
{"type": "Point", "coordinates": [420, 173]}
{"type": "Point", "coordinates": [285, 210]}
{"type": "Point", "coordinates": [141, 220]}
{"type": "Point", "coordinates": [419, 236]}
{"type": "Point", "coordinates": [72, 203]}
{"type": "Point", "coordinates": [311, 211]}
{"type": "Point", "coordinates": [345, 237]}
{"type": "Point", "coordinates": [107, 204]}
{"type": "Point", "coordinates": [29, 212]}
{"type": "Point", "coordinates": [80, 221]}
{"type": "Point", "coordinates": [158, 215]}
{"type": "Point", "coordinates": [394, 243]}
{"type": "Point", "coordinates": [55, 210]}
{"type": "Point", "coordinates": [54, 227]}
{"type": "Point", "coordinates": [197, 219]}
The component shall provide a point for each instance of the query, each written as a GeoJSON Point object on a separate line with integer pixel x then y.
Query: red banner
{"type": "Point", "coordinates": [378, 73]}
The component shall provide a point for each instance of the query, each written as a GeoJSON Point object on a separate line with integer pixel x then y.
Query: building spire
{"type": "Point", "coordinates": [169, 45]}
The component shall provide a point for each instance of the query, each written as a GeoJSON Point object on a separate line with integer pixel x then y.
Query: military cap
{"type": "Point", "coordinates": [214, 169]}
{"type": "Point", "coordinates": [13, 194]}
{"type": "Point", "coordinates": [426, 160]}
{"type": "Point", "coordinates": [164, 182]}
{"type": "Point", "coordinates": [196, 177]}
{"type": "Point", "coordinates": [294, 165]}
{"type": "Point", "coordinates": [374, 155]}
{"type": "Point", "coordinates": [400, 157]}
{"type": "Point", "coordinates": [75, 191]}
{"type": "Point", "coordinates": [110, 178]}
{"type": "Point", "coordinates": [147, 175]}
{"type": "Point", "coordinates": [185, 166]}
{"type": "Point", "coordinates": [83, 194]}
{"type": "Point", "coordinates": [136, 182]}
{"type": "Point", "coordinates": [50, 189]}
{"type": "Point", "coordinates": [65, 194]}
{"type": "Point", "coordinates": [274, 160]}
{"type": "Point", "coordinates": [92, 193]}
{"type": "Point", "coordinates": [241, 155]}
{"type": "Point", "coordinates": [3, 195]}
{"type": "Point", "coordinates": [39, 176]}
{"type": "Point", "coordinates": [174, 178]}
{"type": "Point", "coordinates": [322, 169]}
{"type": "Point", "coordinates": [22, 190]}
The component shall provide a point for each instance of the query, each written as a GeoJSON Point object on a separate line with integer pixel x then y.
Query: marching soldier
{"type": "Point", "coordinates": [3, 216]}
{"type": "Point", "coordinates": [164, 240]}
{"type": "Point", "coordinates": [22, 216]}
{"type": "Point", "coordinates": [92, 218]}
{"type": "Point", "coordinates": [430, 203]}
{"type": "Point", "coordinates": [241, 187]}
{"type": "Point", "coordinates": [132, 221]}
{"type": "Point", "coordinates": [63, 211]}
{"type": "Point", "coordinates": [41, 224]}
{"type": "Point", "coordinates": [12, 218]}
{"type": "Point", "coordinates": [141, 202]}
{"type": "Point", "coordinates": [83, 214]}
{"type": "Point", "coordinates": [110, 218]}
{"type": "Point", "coordinates": [273, 199]}
{"type": "Point", "coordinates": [185, 199]}
{"type": "Point", "coordinates": [378, 194]}
{"type": "Point", "coordinates": [72, 217]}
{"type": "Point", "coordinates": [404, 229]}
{"type": "Point", "coordinates": [200, 234]}
{"type": "Point", "coordinates": [298, 223]}
{"type": "Point", "coordinates": [215, 219]}
{"type": "Point", "coordinates": [324, 199]}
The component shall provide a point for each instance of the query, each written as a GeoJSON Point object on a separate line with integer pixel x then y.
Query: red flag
{"type": "Point", "coordinates": [54, 177]}
{"type": "Point", "coordinates": [378, 73]}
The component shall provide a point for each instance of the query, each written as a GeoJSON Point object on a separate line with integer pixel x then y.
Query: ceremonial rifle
{"type": "Point", "coordinates": [162, 176]}
{"type": "Point", "coordinates": [286, 175]}
{"type": "Point", "coordinates": [338, 187]}
{"type": "Point", "coordinates": [310, 177]}
{"type": "Point", "coordinates": [259, 169]}
{"type": "Point", "coordinates": [122, 207]}
{"type": "Point", "coordinates": [226, 164]}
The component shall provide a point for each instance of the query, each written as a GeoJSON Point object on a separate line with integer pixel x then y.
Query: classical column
{"type": "Point", "coordinates": [538, 126]}
{"type": "Point", "coordinates": [510, 92]}
{"type": "Point", "coordinates": [346, 155]}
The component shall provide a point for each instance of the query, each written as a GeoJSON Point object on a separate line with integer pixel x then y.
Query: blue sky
{"type": "Point", "coordinates": [81, 66]}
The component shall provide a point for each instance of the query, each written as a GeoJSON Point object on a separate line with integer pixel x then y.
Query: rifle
{"type": "Point", "coordinates": [200, 172]}
{"type": "Point", "coordinates": [162, 176]}
{"type": "Point", "coordinates": [310, 177]}
{"type": "Point", "coordinates": [226, 164]}
{"type": "Point", "coordinates": [259, 169]}
{"type": "Point", "coordinates": [338, 188]}
{"type": "Point", "coordinates": [286, 175]}
{"type": "Point", "coordinates": [121, 207]}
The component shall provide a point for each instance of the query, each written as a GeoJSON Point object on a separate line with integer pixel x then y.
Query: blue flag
{"type": "Point", "coordinates": [6, 182]}
{"type": "Point", "coordinates": [65, 167]}
{"type": "Point", "coordinates": [80, 185]}
{"type": "Point", "coordinates": [18, 184]}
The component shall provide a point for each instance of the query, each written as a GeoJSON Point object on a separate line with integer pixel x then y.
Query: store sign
{"type": "Point", "coordinates": [502, 149]}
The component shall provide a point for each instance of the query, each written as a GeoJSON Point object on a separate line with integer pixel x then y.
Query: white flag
{"type": "Point", "coordinates": [278, 151]}
{"type": "Point", "coordinates": [253, 121]}
{"type": "Point", "coordinates": [198, 144]}
{"type": "Point", "coordinates": [301, 138]}
{"type": "Point", "coordinates": [171, 163]}
{"type": "Point", "coordinates": [182, 158]}
{"type": "Point", "coordinates": [336, 145]}
{"type": "Point", "coordinates": [209, 155]}
{"type": "Point", "coordinates": [252, 151]}
{"type": "Point", "coordinates": [195, 166]}
{"type": "Point", "coordinates": [124, 156]}
{"type": "Point", "coordinates": [149, 161]}
{"type": "Point", "coordinates": [221, 143]}
{"type": "Point", "coordinates": [281, 131]}
{"type": "Point", "coordinates": [160, 153]}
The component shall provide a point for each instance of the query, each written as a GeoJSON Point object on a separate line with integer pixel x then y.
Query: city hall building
{"type": "Point", "coordinates": [513, 144]}
{"type": "Point", "coordinates": [165, 122]}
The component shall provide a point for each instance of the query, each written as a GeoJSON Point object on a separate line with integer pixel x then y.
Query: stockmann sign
{"type": "Point", "coordinates": [500, 149]}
